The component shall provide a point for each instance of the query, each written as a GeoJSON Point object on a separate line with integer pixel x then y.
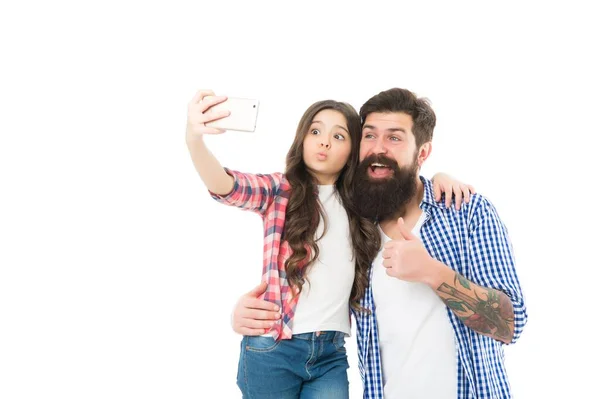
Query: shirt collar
{"type": "Point", "coordinates": [428, 197]}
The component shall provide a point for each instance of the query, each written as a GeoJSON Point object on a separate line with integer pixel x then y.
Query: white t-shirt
{"type": "Point", "coordinates": [418, 351]}
{"type": "Point", "coordinates": [324, 302]}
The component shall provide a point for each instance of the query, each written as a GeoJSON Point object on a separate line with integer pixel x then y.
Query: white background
{"type": "Point", "coordinates": [118, 272]}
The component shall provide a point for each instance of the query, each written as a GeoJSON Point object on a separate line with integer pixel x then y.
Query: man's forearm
{"type": "Point", "coordinates": [484, 310]}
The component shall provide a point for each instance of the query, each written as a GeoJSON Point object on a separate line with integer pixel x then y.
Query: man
{"type": "Point", "coordinates": [444, 295]}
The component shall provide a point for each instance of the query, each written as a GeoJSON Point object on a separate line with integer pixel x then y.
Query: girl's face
{"type": "Point", "coordinates": [327, 146]}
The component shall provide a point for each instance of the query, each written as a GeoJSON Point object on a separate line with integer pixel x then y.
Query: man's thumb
{"type": "Point", "coordinates": [258, 290]}
{"type": "Point", "coordinates": [404, 231]}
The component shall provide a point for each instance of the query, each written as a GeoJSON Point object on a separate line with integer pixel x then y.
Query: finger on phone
{"type": "Point", "coordinates": [211, 101]}
{"type": "Point", "coordinates": [200, 94]}
{"type": "Point", "coordinates": [212, 116]}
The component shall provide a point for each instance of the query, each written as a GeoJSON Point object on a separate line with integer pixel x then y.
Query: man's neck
{"type": "Point", "coordinates": [409, 212]}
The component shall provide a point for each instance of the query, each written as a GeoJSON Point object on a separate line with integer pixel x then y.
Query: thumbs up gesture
{"type": "Point", "coordinates": [405, 257]}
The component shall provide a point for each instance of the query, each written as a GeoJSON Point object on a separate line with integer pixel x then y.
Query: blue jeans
{"type": "Point", "coordinates": [308, 366]}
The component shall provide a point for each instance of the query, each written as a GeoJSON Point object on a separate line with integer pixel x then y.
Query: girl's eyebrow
{"type": "Point", "coordinates": [340, 126]}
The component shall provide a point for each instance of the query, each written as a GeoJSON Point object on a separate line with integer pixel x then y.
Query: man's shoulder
{"type": "Point", "coordinates": [477, 207]}
{"type": "Point", "coordinates": [477, 201]}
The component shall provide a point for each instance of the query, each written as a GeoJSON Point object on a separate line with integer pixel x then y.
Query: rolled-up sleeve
{"type": "Point", "coordinates": [253, 192]}
{"type": "Point", "coordinates": [492, 260]}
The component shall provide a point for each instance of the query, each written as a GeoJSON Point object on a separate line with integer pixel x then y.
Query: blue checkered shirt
{"type": "Point", "coordinates": [474, 242]}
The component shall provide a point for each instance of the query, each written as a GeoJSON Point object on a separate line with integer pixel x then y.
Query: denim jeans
{"type": "Point", "coordinates": [308, 366]}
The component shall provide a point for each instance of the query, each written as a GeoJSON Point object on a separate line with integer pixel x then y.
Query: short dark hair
{"type": "Point", "coordinates": [402, 100]}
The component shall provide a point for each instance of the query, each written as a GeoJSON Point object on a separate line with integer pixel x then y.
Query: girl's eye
{"type": "Point", "coordinates": [339, 136]}
{"type": "Point", "coordinates": [314, 131]}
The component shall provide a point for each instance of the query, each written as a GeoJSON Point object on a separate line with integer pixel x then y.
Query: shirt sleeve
{"type": "Point", "coordinates": [360, 340]}
{"type": "Point", "coordinates": [367, 338]}
{"type": "Point", "coordinates": [492, 260]}
{"type": "Point", "coordinates": [253, 192]}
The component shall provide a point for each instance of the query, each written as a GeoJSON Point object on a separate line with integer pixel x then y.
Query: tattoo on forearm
{"type": "Point", "coordinates": [490, 312]}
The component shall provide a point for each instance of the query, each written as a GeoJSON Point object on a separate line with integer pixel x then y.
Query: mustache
{"type": "Point", "coordinates": [378, 199]}
{"type": "Point", "coordinates": [381, 159]}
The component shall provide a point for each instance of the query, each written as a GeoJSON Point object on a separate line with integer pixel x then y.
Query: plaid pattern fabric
{"type": "Point", "coordinates": [367, 339]}
{"type": "Point", "coordinates": [268, 196]}
{"type": "Point", "coordinates": [474, 242]}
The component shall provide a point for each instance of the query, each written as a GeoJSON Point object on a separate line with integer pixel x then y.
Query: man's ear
{"type": "Point", "coordinates": [423, 153]}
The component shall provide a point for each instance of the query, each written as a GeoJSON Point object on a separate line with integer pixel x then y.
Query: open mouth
{"type": "Point", "coordinates": [378, 165]}
{"type": "Point", "coordinates": [379, 170]}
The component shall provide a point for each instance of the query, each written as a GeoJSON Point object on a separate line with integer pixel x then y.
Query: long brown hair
{"type": "Point", "coordinates": [304, 210]}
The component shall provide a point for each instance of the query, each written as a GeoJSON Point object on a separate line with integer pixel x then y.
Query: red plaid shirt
{"type": "Point", "coordinates": [268, 196]}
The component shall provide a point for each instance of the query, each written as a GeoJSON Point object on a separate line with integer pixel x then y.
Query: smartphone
{"type": "Point", "coordinates": [244, 112]}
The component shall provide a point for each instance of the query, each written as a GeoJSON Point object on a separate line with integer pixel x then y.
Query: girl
{"type": "Point", "coordinates": [317, 250]}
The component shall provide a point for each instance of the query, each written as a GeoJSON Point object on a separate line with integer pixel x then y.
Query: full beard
{"type": "Point", "coordinates": [380, 199]}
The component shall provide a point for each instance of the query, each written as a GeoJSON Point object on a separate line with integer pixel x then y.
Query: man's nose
{"type": "Point", "coordinates": [379, 147]}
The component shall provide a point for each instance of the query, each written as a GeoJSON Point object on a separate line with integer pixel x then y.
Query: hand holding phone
{"type": "Point", "coordinates": [199, 114]}
{"type": "Point", "coordinates": [211, 114]}
{"type": "Point", "coordinates": [242, 117]}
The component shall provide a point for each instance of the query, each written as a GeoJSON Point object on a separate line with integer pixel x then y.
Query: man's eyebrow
{"type": "Point", "coordinates": [396, 129]}
{"type": "Point", "coordinates": [389, 130]}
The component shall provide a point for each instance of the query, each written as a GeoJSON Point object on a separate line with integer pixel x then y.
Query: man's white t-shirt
{"type": "Point", "coordinates": [418, 351]}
